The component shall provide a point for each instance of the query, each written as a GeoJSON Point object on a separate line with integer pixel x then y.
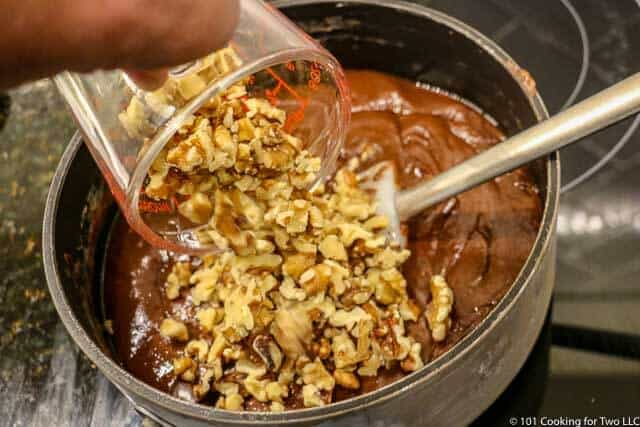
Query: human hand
{"type": "Point", "coordinates": [39, 38]}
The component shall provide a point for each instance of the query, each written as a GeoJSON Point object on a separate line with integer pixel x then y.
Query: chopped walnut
{"type": "Point", "coordinates": [316, 279]}
{"type": "Point", "coordinates": [268, 351]}
{"type": "Point", "coordinates": [195, 151]}
{"type": "Point", "coordinates": [174, 329]}
{"type": "Point", "coordinates": [217, 347]}
{"type": "Point", "coordinates": [276, 407]}
{"type": "Point", "coordinates": [275, 391]}
{"type": "Point", "coordinates": [316, 374]}
{"type": "Point", "coordinates": [346, 379]}
{"type": "Point", "coordinates": [246, 366]}
{"type": "Point", "coordinates": [369, 368]}
{"type": "Point", "coordinates": [311, 396]}
{"type": "Point", "coordinates": [413, 361]}
{"type": "Point", "coordinates": [409, 310]}
{"type": "Point", "coordinates": [177, 91]}
{"type": "Point", "coordinates": [438, 310]}
{"type": "Point", "coordinates": [332, 248]}
{"type": "Point", "coordinates": [206, 278]}
{"type": "Point", "coordinates": [185, 367]}
{"type": "Point", "coordinates": [296, 264]}
{"type": "Point", "coordinates": [350, 232]}
{"type": "Point", "coordinates": [257, 388]}
{"type": "Point", "coordinates": [178, 279]}
{"type": "Point", "coordinates": [268, 262]}
{"type": "Point", "coordinates": [196, 209]}
{"type": "Point", "coordinates": [227, 388]}
{"type": "Point", "coordinates": [376, 223]}
{"type": "Point", "coordinates": [289, 290]}
{"type": "Point", "coordinates": [135, 120]}
{"type": "Point", "coordinates": [348, 319]}
{"type": "Point", "coordinates": [235, 402]}
{"type": "Point", "coordinates": [201, 389]}
{"type": "Point", "coordinates": [209, 317]}
{"type": "Point", "coordinates": [292, 329]}
{"type": "Point", "coordinates": [238, 317]}
{"type": "Point", "coordinates": [197, 349]}
{"type": "Point", "coordinates": [344, 351]}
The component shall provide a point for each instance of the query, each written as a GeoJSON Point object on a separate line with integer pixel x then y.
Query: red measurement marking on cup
{"type": "Point", "coordinates": [149, 205]}
{"type": "Point", "coordinates": [297, 115]}
{"type": "Point", "coordinates": [154, 206]}
{"type": "Point", "coordinates": [243, 104]}
{"type": "Point", "coordinates": [314, 76]}
{"type": "Point", "coordinates": [272, 94]}
{"type": "Point", "coordinates": [293, 119]}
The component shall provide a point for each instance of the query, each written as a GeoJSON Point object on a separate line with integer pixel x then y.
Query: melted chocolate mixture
{"type": "Point", "coordinates": [479, 240]}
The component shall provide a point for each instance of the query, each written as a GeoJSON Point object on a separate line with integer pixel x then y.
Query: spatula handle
{"type": "Point", "coordinates": [593, 114]}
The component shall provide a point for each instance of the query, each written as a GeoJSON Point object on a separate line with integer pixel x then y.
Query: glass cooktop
{"type": "Point", "coordinates": [587, 360]}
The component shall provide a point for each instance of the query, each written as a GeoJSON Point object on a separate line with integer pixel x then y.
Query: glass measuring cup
{"type": "Point", "coordinates": [126, 128]}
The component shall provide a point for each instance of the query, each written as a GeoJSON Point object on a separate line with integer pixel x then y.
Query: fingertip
{"type": "Point", "coordinates": [149, 80]}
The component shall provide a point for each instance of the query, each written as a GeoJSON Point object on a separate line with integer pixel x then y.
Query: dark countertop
{"type": "Point", "coordinates": [45, 380]}
{"type": "Point", "coordinates": [31, 336]}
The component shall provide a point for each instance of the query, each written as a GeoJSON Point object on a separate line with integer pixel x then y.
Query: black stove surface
{"type": "Point", "coordinates": [587, 360]}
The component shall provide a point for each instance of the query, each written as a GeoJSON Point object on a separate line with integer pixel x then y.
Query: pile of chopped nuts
{"type": "Point", "coordinates": [319, 302]}
{"type": "Point", "coordinates": [138, 118]}
{"type": "Point", "coordinates": [308, 294]}
{"type": "Point", "coordinates": [234, 173]}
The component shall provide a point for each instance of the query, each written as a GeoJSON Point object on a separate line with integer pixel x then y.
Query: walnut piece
{"type": "Point", "coordinates": [346, 379]}
{"type": "Point", "coordinates": [311, 396]}
{"type": "Point", "coordinates": [197, 208]}
{"type": "Point", "coordinates": [174, 329]}
{"type": "Point", "coordinates": [177, 279]}
{"type": "Point", "coordinates": [316, 374]}
{"type": "Point", "coordinates": [438, 310]}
